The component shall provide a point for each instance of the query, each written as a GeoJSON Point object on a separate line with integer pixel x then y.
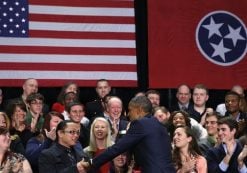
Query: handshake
{"type": "Point", "coordinates": [83, 165]}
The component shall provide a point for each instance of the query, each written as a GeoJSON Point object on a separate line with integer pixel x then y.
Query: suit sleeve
{"type": "Point", "coordinates": [212, 162]}
{"type": "Point", "coordinates": [132, 137]}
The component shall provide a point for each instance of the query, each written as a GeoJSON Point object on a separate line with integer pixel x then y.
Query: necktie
{"type": "Point", "coordinates": [183, 108]}
{"type": "Point", "coordinates": [71, 156]}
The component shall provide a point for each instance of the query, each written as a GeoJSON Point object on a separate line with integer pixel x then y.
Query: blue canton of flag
{"type": "Point", "coordinates": [14, 18]}
{"type": "Point", "coordinates": [221, 38]}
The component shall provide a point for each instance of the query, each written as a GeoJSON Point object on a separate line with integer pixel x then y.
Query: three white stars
{"type": "Point", "coordinates": [220, 49]}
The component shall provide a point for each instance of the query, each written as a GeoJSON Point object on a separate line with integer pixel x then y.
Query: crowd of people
{"type": "Point", "coordinates": [102, 136]}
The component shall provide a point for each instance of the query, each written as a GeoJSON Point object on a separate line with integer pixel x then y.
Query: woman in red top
{"type": "Point", "coordinates": [100, 139]}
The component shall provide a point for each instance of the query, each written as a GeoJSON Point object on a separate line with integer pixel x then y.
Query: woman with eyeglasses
{"type": "Point", "coordinates": [100, 140]}
{"type": "Point", "coordinates": [44, 139]}
{"type": "Point", "coordinates": [11, 162]}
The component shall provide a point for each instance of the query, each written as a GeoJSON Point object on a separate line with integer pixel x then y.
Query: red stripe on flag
{"type": "Point", "coordinates": [59, 83]}
{"type": "Point", "coordinates": [82, 35]}
{"type": "Point", "coordinates": [85, 3]}
{"type": "Point", "coordinates": [82, 19]}
{"type": "Point", "coordinates": [67, 67]}
{"type": "Point", "coordinates": [67, 50]}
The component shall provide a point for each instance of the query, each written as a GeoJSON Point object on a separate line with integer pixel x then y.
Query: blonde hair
{"type": "Point", "coordinates": [6, 119]}
{"type": "Point", "coordinates": [92, 143]}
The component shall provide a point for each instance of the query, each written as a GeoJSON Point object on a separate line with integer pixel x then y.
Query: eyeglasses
{"type": "Point", "coordinates": [72, 132]}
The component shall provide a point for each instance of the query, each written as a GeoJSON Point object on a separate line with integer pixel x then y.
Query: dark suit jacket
{"type": "Point", "coordinates": [175, 107]}
{"type": "Point", "coordinates": [122, 124]}
{"type": "Point", "coordinates": [215, 155]}
{"type": "Point", "coordinates": [94, 109]}
{"type": "Point", "coordinates": [56, 160]}
{"type": "Point", "coordinates": [150, 143]}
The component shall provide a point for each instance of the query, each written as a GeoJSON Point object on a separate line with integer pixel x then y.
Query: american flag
{"type": "Point", "coordinates": [56, 41]}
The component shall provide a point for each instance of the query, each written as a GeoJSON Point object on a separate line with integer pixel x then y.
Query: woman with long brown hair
{"type": "Point", "coordinates": [186, 153]}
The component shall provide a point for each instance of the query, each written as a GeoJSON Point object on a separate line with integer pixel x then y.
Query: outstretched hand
{"type": "Point", "coordinates": [83, 166]}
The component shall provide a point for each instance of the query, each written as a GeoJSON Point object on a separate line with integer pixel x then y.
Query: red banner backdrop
{"type": "Point", "coordinates": [197, 42]}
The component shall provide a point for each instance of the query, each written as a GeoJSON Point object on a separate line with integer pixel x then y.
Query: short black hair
{"type": "Point", "coordinates": [233, 93]}
{"type": "Point", "coordinates": [61, 126]}
{"type": "Point", "coordinates": [142, 102]}
{"type": "Point", "coordinates": [230, 122]}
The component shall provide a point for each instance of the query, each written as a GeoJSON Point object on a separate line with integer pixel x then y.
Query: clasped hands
{"type": "Point", "coordinates": [242, 156]}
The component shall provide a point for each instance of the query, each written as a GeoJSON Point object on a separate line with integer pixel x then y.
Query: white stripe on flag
{"type": "Point", "coordinates": [71, 75]}
{"type": "Point", "coordinates": [76, 59]}
{"type": "Point", "coordinates": [67, 42]}
{"type": "Point", "coordinates": [83, 11]}
{"type": "Point", "coordinates": [82, 27]}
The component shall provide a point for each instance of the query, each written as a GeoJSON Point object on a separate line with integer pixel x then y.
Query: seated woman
{"type": "Point", "coordinates": [43, 140]}
{"type": "Point", "coordinates": [16, 143]}
{"type": "Point", "coordinates": [120, 164]}
{"type": "Point", "coordinates": [10, 161]}
{"type": "Point", "coordinates": [17, 112]}
{"type": "Point", "coordinates": [100, 140]}
{"type": "Point", "coordinates": [186, 153]}
{"type": "Point", "coordinates": [182, 118]}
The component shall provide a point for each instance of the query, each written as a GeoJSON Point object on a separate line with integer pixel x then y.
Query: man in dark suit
{"type": "Point", "coordinates": [146, 137]}
{"type": "Point", "coordinates": [116, 119]}
{"type": "Point", "coordinates": [95, 108]}
{"type": "Point", "coordinates": [229, 156]}
{"type": "Point", "coordinates": [63, 157]}
{"type": "Point", "coordinates": [183, 96]}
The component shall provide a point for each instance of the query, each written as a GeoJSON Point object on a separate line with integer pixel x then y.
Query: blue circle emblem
{"type": "Point", "coordinates": [221, 38]}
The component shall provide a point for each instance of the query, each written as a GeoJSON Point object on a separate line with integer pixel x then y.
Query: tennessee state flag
{"type": "Point", "coordinates": [197, 42]}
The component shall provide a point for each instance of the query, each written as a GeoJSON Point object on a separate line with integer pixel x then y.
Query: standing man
{"type": "Point", "coordinates": [62, 156]}
{"type": "Point", "coordinates": [29, 86]}
{"type": "Point", "coordinates": [232, 102]}
{"type": "Point", "coordinates": [183, 96]}
{"type": "Point", "coordinates": [95, 108]}
{"type": "Point", "coordinates": [221, 108]}
{"type": "Point", "coordinates": [146, 137]}
{"type": "Point", "coordinates": [200, 97]}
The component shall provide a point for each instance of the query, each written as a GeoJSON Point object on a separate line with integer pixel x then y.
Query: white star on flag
{"type": "Point", "coordinates": [213, 28]}
{"type": "Point", "coordinates": [220, 50]}
{"type": "Point", "coordinates": [234, 35]}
